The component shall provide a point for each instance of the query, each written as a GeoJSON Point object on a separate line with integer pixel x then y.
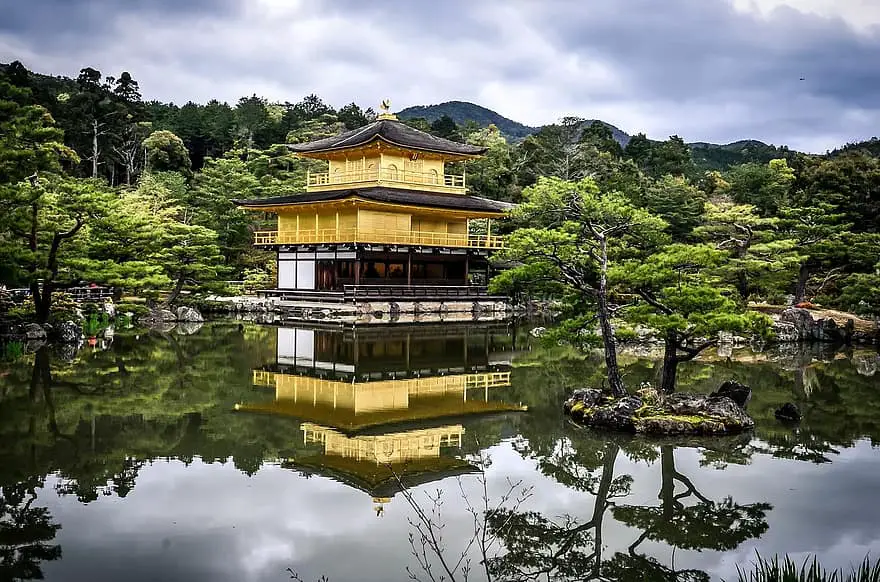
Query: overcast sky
{"type": "Point", "coordinates": [708, 70]}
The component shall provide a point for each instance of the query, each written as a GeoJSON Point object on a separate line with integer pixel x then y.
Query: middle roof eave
{"type": "Point", "coordinates": [459, 202]}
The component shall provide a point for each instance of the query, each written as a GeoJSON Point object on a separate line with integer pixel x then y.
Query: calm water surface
{"type": "Point", "coordinates": [237, 452]}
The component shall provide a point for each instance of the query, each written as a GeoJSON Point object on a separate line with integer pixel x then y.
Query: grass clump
{"type": "Point", "coordinates": [787, 570]}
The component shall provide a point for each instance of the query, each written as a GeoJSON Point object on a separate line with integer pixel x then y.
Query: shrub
{"type": "Point", "coordinates": [136, 309]}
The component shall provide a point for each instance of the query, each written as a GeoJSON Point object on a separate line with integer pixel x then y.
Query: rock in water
{"type": "Point", "coordinates": [798, 322]}
{"type": "Point", "coordinates": [679, 413]}
{"type": "Point", "coordinates": [33, 331]}
{"type": "Point", "coordinates": [109, 308]}
{"type": "Point", "coordinates": [801, 321]}
{"type": "Point", "coordinates": [68, 332]}
{"type": "Point", "coordinates": [866, 364]}
{"type": "Point", "coordinates": [722, 409]}
{"type": "Point", "coordinates": [188, 327]}
{"type": "Point", "coordinates": [158, 316]}
{"type": "Point", "coordinates": [189, 314]}
{"type": "Point", "coordinates": [739, 393]}
{"type": "Point", "coordinates": [788, 412]}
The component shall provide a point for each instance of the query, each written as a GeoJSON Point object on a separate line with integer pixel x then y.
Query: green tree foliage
{"type": "Point", "coordinates": [658, 159]}
{"type": "Point", "coordinates": [850, 183]}
{"type": "Point", "coordinates": [762, 259]}
{"type": "Point", "coordinates": [187, 253]}
{"type": "Point", "coordinates": [820, 238]}
{"type": "Point", "coordinates": [553, 151]}
{"type": "Point", "coordinates": [573, 233]}
{"type": "Point", "coordinates": [353, 117]}
{"type": "Point", "coordinates": [491, 175]}
{"type": "Point", "coordinates": [446, 128]}
{"type": "Point", "coordinates": [684, 300]}
{"type": "Point", "coordinates": [676, 201]}
{"type": "Point", "coordinates": [712, 157]}
{"type": "Point", "coordinates": [45, 238]}
{"type": "Point", "coordinates": [764, 186]}
{"type": "Point", "coordinates": [251, 117]}
{"type": "Point", "coordinates": [600, 136]}
{"type": "Point", "coordinates": [212, 202]}
{"type": "Point", "coordinates": [167, 153]}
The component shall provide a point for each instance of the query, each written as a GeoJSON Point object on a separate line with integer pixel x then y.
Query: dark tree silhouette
{"type": "Point", "coordinates": [26, 532]}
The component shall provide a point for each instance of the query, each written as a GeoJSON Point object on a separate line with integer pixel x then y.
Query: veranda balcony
{"type": "Point", "coordinates": [387, 176]}
{"type": "Point", "coordinates": [387, 237]}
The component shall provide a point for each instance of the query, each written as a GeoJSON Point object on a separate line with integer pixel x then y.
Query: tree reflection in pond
{"type": "Point", "coordinates": [542, 548]}
{"type": "Point", "coordinates": [92, 427]}
{"type": "Point", "coordinates": [26, 532]}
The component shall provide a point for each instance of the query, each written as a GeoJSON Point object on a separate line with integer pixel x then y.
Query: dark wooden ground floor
{"type": "Point", "coordinates": [333, 269]}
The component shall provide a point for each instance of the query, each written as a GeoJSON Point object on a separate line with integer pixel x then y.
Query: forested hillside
{"type": "Point", "coordinates": [462, 112]}
{"type": "Point", "coordinates": [721, 157]}
{"type": "Point", "coordinates": [98, 185]}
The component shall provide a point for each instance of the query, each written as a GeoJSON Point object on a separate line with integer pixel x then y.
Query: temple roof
{"type": "Point", "coordinates": [378, 480]}
{"type": "Point", "coordinates": [388, 195]}
{"type": "Point", "coordinates": [390, 131]}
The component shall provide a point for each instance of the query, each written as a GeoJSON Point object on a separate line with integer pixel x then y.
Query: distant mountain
{"type": "Point", "coordinates": [710, 156]}
{"type": "Point", "coordinates": [462, 111]}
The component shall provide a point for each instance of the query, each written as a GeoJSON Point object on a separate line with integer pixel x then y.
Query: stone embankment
{"type": "Point", "coordinates": [799, 325]}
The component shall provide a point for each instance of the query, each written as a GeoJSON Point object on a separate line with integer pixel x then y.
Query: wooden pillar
{"type": "Point", "coordinates": [357, 268]}
{"type": "Point", "coordinates": [467, 267]}
{"type": "Point", "coordinates": [409, 267]}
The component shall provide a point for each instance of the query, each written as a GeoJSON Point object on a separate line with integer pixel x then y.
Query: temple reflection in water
{"type": "Point", "coordinates": [378, 405]}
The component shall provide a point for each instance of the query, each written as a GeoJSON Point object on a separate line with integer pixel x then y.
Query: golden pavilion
{"type": "Point", "coordinates": [378, 406]}
{"type": "Point", "coordinates": [386, 218]}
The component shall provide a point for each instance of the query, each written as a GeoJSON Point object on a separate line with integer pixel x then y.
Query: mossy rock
{"type": "Point", "coordinates": [674, 414]}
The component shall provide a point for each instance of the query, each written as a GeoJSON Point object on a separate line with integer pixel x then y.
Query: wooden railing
{"type": "Point", "coordinates": [389, 237]}
{"type": "Point", "coordinates": [391, 175]}
{"type": "Point", "coordinates": [418, 386]}
{"type": "Point", "coordinates": [376, 291]}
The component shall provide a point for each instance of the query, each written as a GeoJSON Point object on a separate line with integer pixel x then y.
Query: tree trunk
{"type": "Point", "coordinates": [615, 382]}
{"type": "Point", "coordinates": [742, 285]}
{"type": "Point", "coordinates": [667, 483]}
{"type": "Point", "coordinates": [601, 504]}
{"type": "Point", "coordinates": [172, 297]}
{"type": "Point", "coordinates": [94, 148]}
{"type": "Point", "coordinates": [800, 290]}
{"type": "Point", "coordinates": [670, 363]}
{"type": "Point", "coordinates": [43, 306]}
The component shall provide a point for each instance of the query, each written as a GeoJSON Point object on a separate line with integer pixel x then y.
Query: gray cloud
{"type": "Point", "coordinates": [703, 69]}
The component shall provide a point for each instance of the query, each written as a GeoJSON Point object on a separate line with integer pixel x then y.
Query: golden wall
{"type": "Point", "coordinates": [310, 220]}
{"type": "Point", "coordinates": [387, 161]}
{"type": "Point", "coordinates": [366, 221]}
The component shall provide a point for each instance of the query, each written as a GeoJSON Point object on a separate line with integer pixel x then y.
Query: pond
{"type": "Point", "coordinates": [246, 452]}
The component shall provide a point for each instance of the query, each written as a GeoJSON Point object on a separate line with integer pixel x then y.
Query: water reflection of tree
{"type": "Point", "coordinates": [539, 547]}
{"type": "Point", "coordinates": [704, 525]}
{"type": "Point", "coordinates": [96, 421]}
{"type": "Point", "coordinates": [26, 532]}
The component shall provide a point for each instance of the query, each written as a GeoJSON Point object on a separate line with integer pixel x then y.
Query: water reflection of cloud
{"type": "Point", "coordinates": [213, 522]}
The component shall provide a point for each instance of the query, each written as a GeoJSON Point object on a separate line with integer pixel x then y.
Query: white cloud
{"type": "Point", "coordinates": [862, 15]}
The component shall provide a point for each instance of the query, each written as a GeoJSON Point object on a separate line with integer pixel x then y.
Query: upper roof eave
{"type": "Point", "coordinates": [392, 132]}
